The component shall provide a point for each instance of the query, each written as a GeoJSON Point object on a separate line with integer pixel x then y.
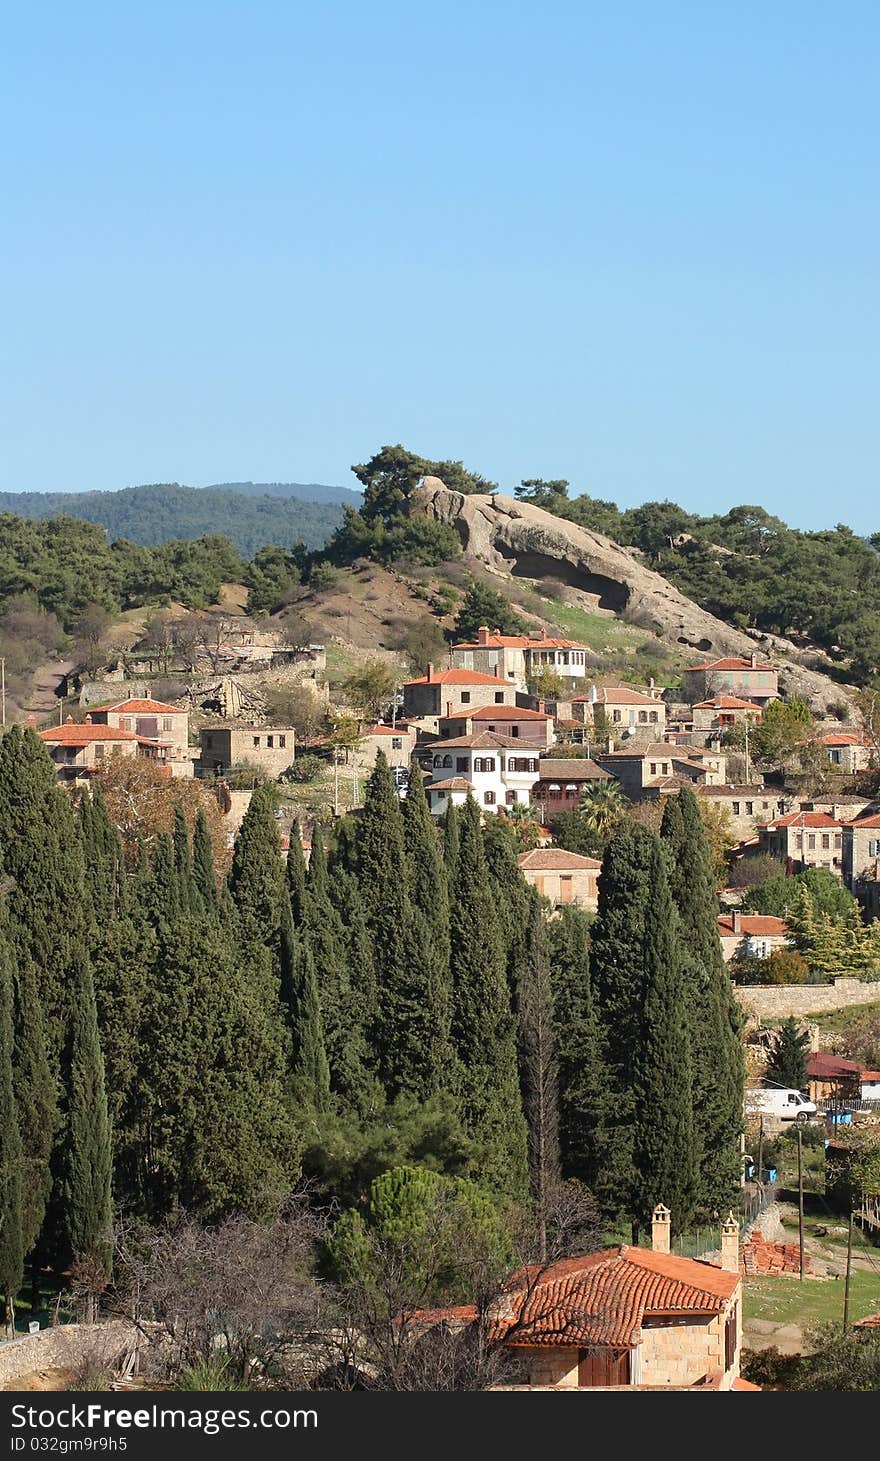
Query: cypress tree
{"type": "Point", "coordinates": [299, 999]}
{"type": "Point", "coordinates": [539, 1071]}
{"type": "Point", "coordinates": [450, 840]}
{"type": "Point", "coordinates": [512, 899]}
{"type": "Point", "coordinates": [36, 1096]}
{"type": "Point", "coordinates": [483, 1026]}
{"type": "Point", "coordinates": [787, 1065]}
{"type": "Point", "coordinates": [318, 877]}
{"type": "Point", "coordinates": [323, 935]}
{"type": "Point", "coordinates": [204, 878]}
{"type": "Point", "coordinates": [429, 900]}
{"type": "Point", "coordinates": [87, 1155]}
{"type": "Point", "coordinates": [582, 1077]}
{"type": "Point", "coordinates": [714, 1017]}
{"type": "Point", "coordinates": [636, 967]}
{"type": "Point", "coordinates": [296, 874]}
{"type": "Point", "coordinates": [183, 864]}
{"type": "Point", "coordinates": [257, 874]}
{"type": "Point", "coordinates": [11, 1159]}
{"type": "Point", "coordinates": [345, 897]}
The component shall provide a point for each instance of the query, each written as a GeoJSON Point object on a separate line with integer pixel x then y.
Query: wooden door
{"type": "Point", "coordinates": [603, 1367]}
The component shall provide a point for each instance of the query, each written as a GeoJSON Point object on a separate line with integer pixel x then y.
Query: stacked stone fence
{"type": "Point", "coordinates": [777, 1001]}
{"type": "Point", "coordinates": [63, 1347]}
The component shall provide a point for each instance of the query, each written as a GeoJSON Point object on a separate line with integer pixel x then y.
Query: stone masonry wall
{"type": "Point", "coordinates": [777, 1001]}
{"type": "Point", "coordinates": [62, 1347]}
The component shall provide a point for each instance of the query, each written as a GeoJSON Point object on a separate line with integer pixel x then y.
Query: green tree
{"type": "Point", "coordinates": [484, 606]}
{"type": "Point", "coordinates": [204, 877]}
{"type": "Point", "coordinates": [372, 687]}
{"type": "Point", "coordinates": [429, 900]}
{"type": "Point", "coordinates": [302, 1006]}
{"type": "Point", "coordinates": [603, 805]}
{"type": "Point", "coordinates": [11, 1157]}
{"type": "Point", "coordinates": [787, 1065]}
{"type": "Point", "coordinates": [324, 933]}
{"type": "Point", "coordinates": [582, 1076]}
{"type": "Point", "coordinates": [87, 1155]}
{"type": "Point", "coordinates": [483, 1028]}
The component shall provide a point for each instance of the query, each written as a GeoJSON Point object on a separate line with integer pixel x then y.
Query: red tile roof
{"type": "Point", "coordinates": [452, 783]}
{"type": "Point", "coordinates": [821, 1066]}
{"type": "Point", "coordinates": [387, 730]}
{"type": "Point", "coordinates": [740, 1384]}
{"type": "Point", "coordinates": [870, 821]}
{"type": "Point", "coordinates": [500, 712]}
{"type": "Point", "coordinates": [144, 707]}
{"type": "Point", "coordinates": [802, 819]}
{"type": "Point", "coordinates": [458, 677]}
{"type": "Point", "coordinates": [520, 641]}
{"type": "Point", "coordinates": [619, 695]}
{"type": "Point", "coordinates": [729, 664]}
{"type": "Point", "coordinates": [553, 859]}
{"type": "Point", "coordinates": [842, 738]}
{"type": "Point", "coordinates": [871, 1077]}
{"type": "Point", "coordinates": [604, 1297]}
{"type": "Point", "coordinates": [80, 735]}
{"type": "Point", "coordinates": [727, 702]}
{"type": "Point", "coordinates": [870, 1321]}
{"type": "Point", "coordinates": [486, 740]}
{"type": "Point", "coordinates": [757, 925]}
{"type": "Point", "coordinates": [575, 768]}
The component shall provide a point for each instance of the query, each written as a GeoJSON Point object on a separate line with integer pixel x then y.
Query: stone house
{"type": "Point", "coordinates": [152, 719]}
{"type": "Point", "coordinates": [533, 727]}
{"type": "Point", "coordinates": [626, 711]}
{"type": "Point", "coordinates": [497, 771]}
{"type": "Point", "coordinates": [847, 752]}
{"type": "Point", "coordinates": [446, 692]}
{"type": "Point", "coordinates": [748, 679]}
{"type": "Point", "coordinates": [624, 1317]}
{"type": "Point", "coordinates": [647, 770]}
{"type": "Point", "coordinates": [860, 861]}
{"type": "Point", "coordinates": [78, 750]}
{"type": "Point", "coordinates": [517, 657]}
{"type": "Point", "coordinates": [747, 806]}
{"type": "Point", "coordinates": [398, 742]}
{"type": "Point", "coordinates": [804, 839]}
{"type": "Point", "coordinates": [225, 747]}
{"type": "Point", "coordinates": [751, 935]}
{"type": "Point", "coordinates": [722, 712]}
{"type": "Point", "coordinates": [565, 878]}
{"type": "Point", "coordinates": [562, 782]}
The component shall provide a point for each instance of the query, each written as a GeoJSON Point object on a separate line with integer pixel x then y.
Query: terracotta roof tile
{"type": "Point", "coordinates": [757, 925]}
{"type": "Point", "coordinates": [822, 1066]}
{"type": "Point", "coordinates": [803, 819]}
{"type": "Point", "coordinates": [459, 677]}
{"type": "Point", "coordinates": [552, 859]}
{"type": "Point", "coordinates": [144, 707]}
{"type": "Point", "coordinates": [727, 702]}
{"type": "Point", "coordinates": [501, 712]}
{"type": "Point", "coordinates": [619, 695]}
{"type": "Point", "coordinates": [577, 768]}
{"type": "Point", "coordinates": [452, 783]}
{"type": "Point", "coordinates": [81, 735]}
{"type": "Point", "coordinates": [486, 740]}
{"type": "Point", "coordinates": [870, 1321]}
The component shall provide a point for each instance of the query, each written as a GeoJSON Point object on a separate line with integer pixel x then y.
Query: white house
{"type": "Point", "coordinates": [497, 771]}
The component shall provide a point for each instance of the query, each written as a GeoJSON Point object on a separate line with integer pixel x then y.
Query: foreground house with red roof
{"type": "Point", "coordinates": [562, 782]}
{"type": "Point", "coordinates": [751, 935]}
{"type": "Point", "coordinates": [518, 657]}
{"type": "Point", "coordinates": [152, 719]}
{"type": "Point", "coordinates": [748, 679]}
{"type": "Point", "coordinates": [497, 771]}
{"type": "Point", "coordinates": [533, 727]}
{"type": "Point", "coordinates": [446, 692]}
{"type": "Point", "coordinates": [847, 751]}
{"type": "Point", "coordinates": [722, 712]}
{"type": "Point", "coordinates": [567, 879]}
{"type": "Point", "coordinates": [804, 839]}
{"type": "Point", "coordinates": [830, 1076]}
{"type": "Point", "coordinates": [80, 749]}
{"type": "Point", "coordinates": [626, 711]}
{"type": "Point", "coordinates": [624, 1317]}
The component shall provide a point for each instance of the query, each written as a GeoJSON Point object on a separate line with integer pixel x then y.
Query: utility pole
{"type": "Point", "coordinates": [760, 1152]}
{"type": "Point", "coordinates": [748, 768]}
{"type": "Point", "coordinates": [846, 1284]}
{"type": "Point", "coordinates": [800, 1137]}
{"type": "Point", "coordinates": [3, 686]}
{"type": "Point", "coordinates": [336, 781]}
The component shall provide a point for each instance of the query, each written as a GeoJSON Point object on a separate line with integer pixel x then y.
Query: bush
{"type": "Point", "coordinates": [784, 966]}
{"type": "Point", "coordinates": [307, 768]}
{"type": "Point", "coordinates": [323, 576]}
{"type": "Point", "coordinates": [208, 1374]}
{"type": "Point", "coordinates": [751, 872]}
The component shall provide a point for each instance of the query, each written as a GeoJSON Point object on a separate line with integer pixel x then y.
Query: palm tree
{"type": "Point", "coordinates": [603, 804]}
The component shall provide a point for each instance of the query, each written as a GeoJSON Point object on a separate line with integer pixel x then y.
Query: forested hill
{"type": "Point", "coordinates": [305, 491]}
{"type": "Point", "coordinates": [165, 512]}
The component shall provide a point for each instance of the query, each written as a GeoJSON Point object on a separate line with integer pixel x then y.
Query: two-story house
{"type": "Point", "coordinates": [751, 935]}
{"type": "Point", "coordinates": [519, 657]}
{"type": "Point", "coordinates": [623, 710]}
{"type": "Point", "coordinates": [748, 679]}
{"type": "Point", "coordinates": [847, 751]}
{"type": "Point", "coordinates": [497, 771]}
{"type": "Point", "coordinates": [532, 727]}
{"type": "Point", "coordinates": [561, 783]}
{"type": "Point", "coordinates": [723, 712]}
{"type": "Point", "coordinates": [804, 839]}
{"type": "Point", "coordinates": [152, 719]}
{"type": "Point", "coordinates": [648, 771]}
{"type": "Point", "coordinates": [446, 692]}
{"type": "Point", "coordinates": [226, 746]}
{"type": "Point", "coordinates": [566, 879]}
{"type": "Point", "coordinates": [860, 860]}
{"type": "Point", "coordinates": [80, 749]}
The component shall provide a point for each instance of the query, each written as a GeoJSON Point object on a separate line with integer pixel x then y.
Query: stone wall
{"type": "Point", "coordinates": [63, 1347]}
{"type": "Point", "coordinates": [777, 1001]}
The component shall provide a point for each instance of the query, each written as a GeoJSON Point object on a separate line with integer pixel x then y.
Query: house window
{"type": "Point", "coordinates": [510, 798]}
{"type": "Point", "coordinates": [99, 751]}
{"type": "Point", "coordinates": [447, 762]}
{"type": "Point", "coordinates": [465, 697]}
{"type": "Point", "coordinates": [489, 798]}
{"type": "Point", "coordinates": [653, 768]}
{"type": "Point", "coordinates": [837, 841]}
{"type": "Point", "coordinates": [811, 841]}
{"type": "Point", "coordinates": [499, 697]}
{"type": "Point", "coordinates": [750, 809]}
{"type": "Point", "coordinates": [664, 768]}
{"type": "Point", "coordinates": [826, 840]}
{"type": "Point", "coordinates": [461, 763]}
{"type": "Point", "coordinates": [126, 724]}
{"type": "Point", "coordinates": [730, 1339]}
{"type": "Point", "coordinates": [874, 847]}
{"type": "Point", "coordinates": [282, 743]}
{"type": "Point", "coordinates": [653, 717]}
{"type": "Point", "coordinates": [270, 743]}
{"type": "Point", "coordinates": [616, 716]}
{"type": "Point", "coordinates": [167, 723]}
{"type": "Point", "coordinates": [396, 743]}
{"type": "Point", "coordinates": [484, 763]}
{"type": "Point", "coordinates": [643, 717]}
{"type": "Point", "coordinates": [256, 740]}
{"type": "Point", "coordinates": [735, 808]}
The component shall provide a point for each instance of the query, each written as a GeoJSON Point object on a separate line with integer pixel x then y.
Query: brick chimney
{"type": "Point", "coordinates": [730, 1244]}
{"type": "Point", "coordinates": [737, 921]}
{"type": "Point", "coordinates": [660, 1229]}
{"type": "Point", "coordinates": [754, 660]}
{"type": "Point", "coordinates": [483, 634]}
{"type": "Point", "coordinates": [89, 718]}
{"type": "Point", "coordinates": [430, 674]}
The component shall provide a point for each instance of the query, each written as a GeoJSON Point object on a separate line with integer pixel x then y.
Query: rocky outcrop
{"type": "Point", "coordinates": [516, 539]}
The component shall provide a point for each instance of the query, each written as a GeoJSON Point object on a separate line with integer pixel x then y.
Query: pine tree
{"type": "Point", "coordinates": [483, 1026]}
{"type": "Point", "coordinates": [12, 1240]}
{"type": "Point", "coordinates": [87, 1154]}
{"type": "Point", "coordinates": [300, 1001]}
{"type": "Point", "coordinates": [648, 1148]}
{"type": "Point", "coordinates": [582, 1077]}
{"type": "Point", "coordinates": [204, 877]}
{"type": "Point", "coordinates": [787, 1066]}
{"type": "Point", "coordinates": [714, 1019]}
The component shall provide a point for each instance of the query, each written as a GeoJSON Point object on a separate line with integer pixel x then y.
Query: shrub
{"type": "Point", "coordinates": [307, 768]}
{"type": "Point", "coordinates": [323, 576]}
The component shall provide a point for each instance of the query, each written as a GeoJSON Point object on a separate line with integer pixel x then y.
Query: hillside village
{"type": "Point", "coordinates": [503, 940]}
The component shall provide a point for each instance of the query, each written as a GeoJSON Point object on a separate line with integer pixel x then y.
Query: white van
{"type": "Point", "coordinates": [782, 1102]}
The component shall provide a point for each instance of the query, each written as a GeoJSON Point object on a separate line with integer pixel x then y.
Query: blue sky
{"type": "Point", "coordinates": [630, 244]}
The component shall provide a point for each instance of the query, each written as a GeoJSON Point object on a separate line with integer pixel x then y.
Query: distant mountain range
{"type": "Point", "coordinates": [251, 514]}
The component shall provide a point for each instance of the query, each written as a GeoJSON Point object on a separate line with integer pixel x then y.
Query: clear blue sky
{"type": "Point", "coordinates": [634, 244]}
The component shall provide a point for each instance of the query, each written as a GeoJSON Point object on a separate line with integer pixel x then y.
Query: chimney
{"type": "Point", "coordinates": [68, 720]}
{"type": "Point", "coordinates": [651, 690]}
{"type": "Point", "coordinates": [754, 660]}
{"type": "Point", "coordinates": [660, 1229]}
{"type": "Point", "coordinates": [89, 718]}
{"type": "Point", "coordinates": [737, 921]}
{"type": "Point", "coordinates": [730, 1244]}
{"type": "Point", "coordinates": [483, 634]}
{"type": "Point", "coordinates": [430, 674]}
